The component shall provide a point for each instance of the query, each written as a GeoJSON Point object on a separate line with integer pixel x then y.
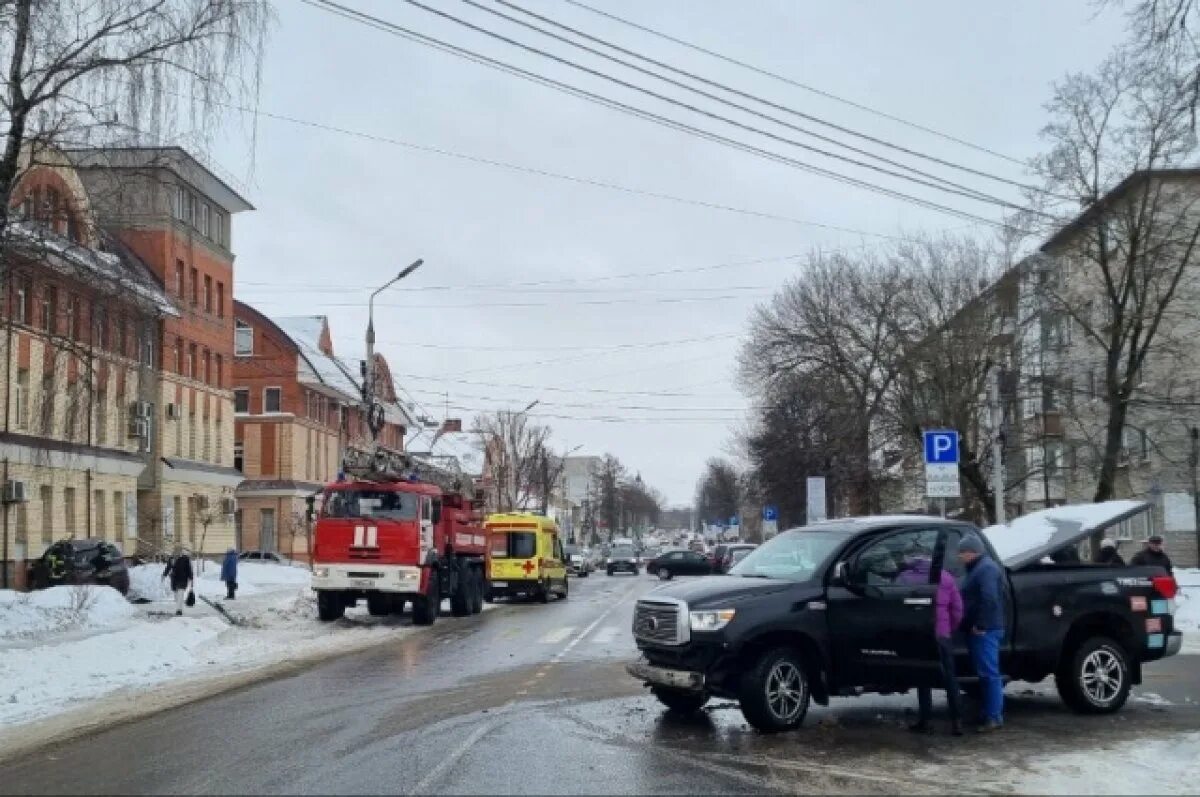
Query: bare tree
{"type": "Point", "coordinates": [607, 478]}
{"type": "Point", "coordinates": [1117, 286]}
{"type": "Point", "coordinates": [835, 323]}
{"type": "Point", "coordinates": [719, 492]}
{"type": "Point", "coordinates": [515, 458]}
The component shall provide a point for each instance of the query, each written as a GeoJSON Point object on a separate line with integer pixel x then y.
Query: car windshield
{"type": "Point", "coordinates": [378, 504]}
{"type": "Point", "coordinates": [513, 545]}
{"type": "Point", "coordinates": [739, 554]}
{"type": "Point", "coordinates": [622, 552]}
{"type": "Point", "coordinates": [793, 555]}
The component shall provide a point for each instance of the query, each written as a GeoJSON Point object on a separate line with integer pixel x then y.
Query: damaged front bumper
{"type": "Point", "coordinates": [685, 680]}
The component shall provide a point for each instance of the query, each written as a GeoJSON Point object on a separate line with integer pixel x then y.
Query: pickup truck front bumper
{"type": "Point", "coordinates": [685, 680]}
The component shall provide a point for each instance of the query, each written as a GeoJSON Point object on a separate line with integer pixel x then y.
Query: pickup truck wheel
{"type": "Point", "coordinates": [679, 701]}
{"type": "Point", "coordinates": [330, 606]}
{"type": "Point", "coordinates": [1095, 679]}
{"type": "Point", "coordinates": [774, 692]}
{"type": "Point", "coordinates": [664, 574]}
{"type": "Point", "coordinates": [426, 607]}
{"type": "Point", "coordinates": [379, 605]}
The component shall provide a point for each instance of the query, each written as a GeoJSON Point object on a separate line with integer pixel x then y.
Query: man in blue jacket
{"type": "Point", "coordinates": [983, 621]}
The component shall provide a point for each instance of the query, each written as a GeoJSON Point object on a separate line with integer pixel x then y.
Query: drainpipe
{"type": "Point", "coordinates": [87, 501]}
{"type": "Point", "coordinates": [4, 557]}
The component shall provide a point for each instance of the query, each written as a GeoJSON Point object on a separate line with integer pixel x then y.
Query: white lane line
{"type": "Point", "coordinates": [434, 774]}
{"type": "Point", "coordinates": [603, 615]}
{"type": "Point", "coordinates": [556, 636]}
{"type": "Point", "coordinates": [605, 635]}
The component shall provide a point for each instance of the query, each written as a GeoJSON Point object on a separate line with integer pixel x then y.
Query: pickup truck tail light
{"type": "Point", "coordinates": [1165, 586]}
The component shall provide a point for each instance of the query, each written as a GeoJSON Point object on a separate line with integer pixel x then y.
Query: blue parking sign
{"type": "Point", "coordinates": [770, 513]}
{"type": "Point", "coordinates": [941, 447]}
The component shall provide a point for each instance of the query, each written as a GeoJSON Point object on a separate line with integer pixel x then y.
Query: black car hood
{"type": "Point", "coordinates": [724, 590]}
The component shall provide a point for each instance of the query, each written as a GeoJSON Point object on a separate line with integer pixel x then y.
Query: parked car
{"type": "Point", "coordinates": [821, 611]}
{"type": "Point", "coordinates": [80, 562]}
{"type": "Point", "coordinates": [724, 558]}
{"type": "Point", "coordinates": [579, 563]}
{"type": "Point", "coordinates": [267, 557]}
{"type": "Point", "coordinates": [698, 546]}
{"type": "Point", "coordinates": [737, 555]}
{"type": "Point", "coordinates": [621, 559]}
{"type": "Point", "coordinates": [679, 563]}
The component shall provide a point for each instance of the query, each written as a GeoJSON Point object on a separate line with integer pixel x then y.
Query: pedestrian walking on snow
{"type": "Point", "coordinates": [948, 614]}
{"type": "Point", "coordinates": [1109, 555]}
{"type": "Point", "coordinates": [1153, 555]}
{"type": "Point", "coordinates": [229, 573]}
{"type": "Point", "coordinates": [182, 579]}
{"type": "Point", "coordinates": [984, 621]}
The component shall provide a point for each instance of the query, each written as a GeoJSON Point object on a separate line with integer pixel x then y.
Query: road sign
{"type": "Point", "coordinates": [770, 513]}
{"type": "Point", "coordinates": [815, 509]}
{"type": "Point", "coordinates": [769, 529]}
{"type": "Point", "coordinates": [941, 463]}
{"type": "Point", "coordinates": [733, 521]}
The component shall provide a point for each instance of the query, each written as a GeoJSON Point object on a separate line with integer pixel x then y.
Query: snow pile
{"type": "Point", "coordinates": [25, 614]}
{"type": "Point", "coordinates": [1147, 766]}
{"type": "Point", "coordinates": [146, 582]}
{"type": "Point", "coordinates": [1038, 529]}
{"type": "Point", "coordinates": [1187, 602]}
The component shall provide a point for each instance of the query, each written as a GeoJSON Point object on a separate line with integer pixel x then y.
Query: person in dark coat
{"type": "Point", "coordinates": [229, 573]}
{"type": "Point", "coordinates": [1153, 555]}
{"type": "Point", "coordinates": [984, 622]}
{"type": "Point", "coordinates": [1109, 555]}
{"type": "Point", "coordinates": [182, 578]}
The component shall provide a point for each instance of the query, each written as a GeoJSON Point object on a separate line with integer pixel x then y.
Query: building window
{"type": "Point", "coordinates": [239, 457]}
{"type": "Point", "coordinates": [195, 287]}
{"type": "Point", "coordinates": [241, 400]}
{"type": "Point", "coordinates": [190, 208]}
{"type": "Point", "coordinates": [221, 222]}
{"type": "Point", "coordinates": [220, 382]}
{"type": "Point", "coordinates": [179, 203]}
{"type": "Point", "coordinates": [101, 416]}
{"type": "Point", "coordinates": [205, 220]}
{"type": "Point", "coordinates": [220, 300]}
{"type": "Point", "coordinates": [46, 494]}
{"type": "Point", "coordinates": [191, 361]}
{"type": "Point", "coordinates": [98, 514]}
{"type": "Point", "coordinates": [206, 360]}
{"type": "Point", "coordinates": [69, 529]}
{"type": "Point", "coordinates": [178, 356]}
{"type": "Point", "coordinates": [21, 311]}
{"type": "Point", "coordinates": [119, 517]}
{"type": "Point", "coordinates": [100, 338]}
{"type": "Point", "coordinates": [271, 399]}
{"type": "Point", "coordinates": [122, 337]}
{"type": "Point", "coordinates": [179, 269]}
{"type": "Point", "coordinates": [21, 399]}
{"type": "Point", "coordinates": [73, 318]}
{"type": "Point", "coordinates": [49, 309]}
{"type": "Point", "coordinates": [208, 294]}
{"type": "Point", "coordinates": [243, 339]}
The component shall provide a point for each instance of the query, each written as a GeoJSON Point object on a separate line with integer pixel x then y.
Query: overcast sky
{"type": "Point", "coordinates": [338, 214]}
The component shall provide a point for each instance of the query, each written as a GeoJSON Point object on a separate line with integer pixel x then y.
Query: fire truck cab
{"type": "Point", "coordinates": [396, 541]}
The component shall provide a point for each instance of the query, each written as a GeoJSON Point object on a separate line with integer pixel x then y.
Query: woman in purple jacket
{"type": "Point", "coordinates": [948, 614]}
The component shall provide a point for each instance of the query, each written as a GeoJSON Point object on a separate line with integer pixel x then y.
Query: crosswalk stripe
{"type": "Point", "coordinates": [557, 635]}
{"type": "Point", "coordinates": [605, 635]}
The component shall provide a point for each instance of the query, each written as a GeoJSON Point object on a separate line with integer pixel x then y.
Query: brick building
{"type": "Point", "coordinates": [297, 406]}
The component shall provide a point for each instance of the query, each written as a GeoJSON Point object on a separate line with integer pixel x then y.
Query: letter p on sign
{"type": "Point", "coordinates": [941, 447]}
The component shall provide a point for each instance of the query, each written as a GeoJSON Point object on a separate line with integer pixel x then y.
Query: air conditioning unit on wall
{"type": "Point", "coordinates": [139, 427]}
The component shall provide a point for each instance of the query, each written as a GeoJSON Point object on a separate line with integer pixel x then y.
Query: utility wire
{"type": "Point", "coordinates": [557, 304]}
{"type": "Point", "coordinates": [935, 182]}
{"type": "Point", "coordinates": [795, 83]}
{"type": "Point", "coordinates": [746, 95]}
{"type": "Point", "coordinates": [420, 38]}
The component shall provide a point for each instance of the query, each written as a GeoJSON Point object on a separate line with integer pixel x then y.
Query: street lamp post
{"type": "Point", "coordinates": [369, 376]}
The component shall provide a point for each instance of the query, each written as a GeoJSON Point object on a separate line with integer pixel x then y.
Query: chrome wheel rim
{"type": "Point", "coordinates": [785, 691]}
{"type": "Point", "coordinates": [1102, 676]}
{"type": "Point", "coordinates": [664, 574]}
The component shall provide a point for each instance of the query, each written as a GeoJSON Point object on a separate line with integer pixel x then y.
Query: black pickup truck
{"type": "Point", "coordinates": [823, 611]}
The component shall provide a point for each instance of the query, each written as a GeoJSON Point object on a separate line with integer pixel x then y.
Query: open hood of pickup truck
{"type": "Point", "coordinates": [702, 592]}
{"type": "Point", "coordinates": [1028, 538]}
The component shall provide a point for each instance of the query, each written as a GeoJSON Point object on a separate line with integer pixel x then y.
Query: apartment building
{"type": "Point", "coordinates": [297, 405]}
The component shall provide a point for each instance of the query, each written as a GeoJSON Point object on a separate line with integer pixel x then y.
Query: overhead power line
{"type": "Point", "coordinates": [795, 83]}
{"type": "Point", "coordinates": [926, 180]}
{"type": "Point", "coordinates": [745, 95]}
{"type": "Point", "coordinates": [429, 41]}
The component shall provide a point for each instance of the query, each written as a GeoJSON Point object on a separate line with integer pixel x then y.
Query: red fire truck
{"type": "Point", "coordinates": [398, 531]}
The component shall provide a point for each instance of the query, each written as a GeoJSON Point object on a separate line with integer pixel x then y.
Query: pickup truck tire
{"type": "Point", "coordinates": [379, 605]}
{"type": "Point", "coordinates": [330, 606]}
{"type": "Point", "coordinates": [664, 574]}
{"type": "Point", "coordinates": [679, 701]}
{"type": "Point", "coordinates": [774, 692]}
{"type": "Point", "coordinates": [1095, 678]}
{"type": "Point", "coordinates": [426, 607]}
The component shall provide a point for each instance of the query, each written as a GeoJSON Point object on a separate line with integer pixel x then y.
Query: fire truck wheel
{"type": "Point", "coordinates": [426, 607]}
{"type": "Point", "coordinates": [460, 601]}
{"type": "Point", "coordinates": [397, 605]}
{"type": "Point", "coordinates": [378, 605]}
{"type": "Point", "coordinates": [488, 597]}
{"type": "Point", "coordinates": [476, 591]}
{"type": "Point", "coordinates": [330, 606]}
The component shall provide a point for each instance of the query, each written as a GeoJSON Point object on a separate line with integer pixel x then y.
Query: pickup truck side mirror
{"type": "Point", "coordinates": [839, 575]}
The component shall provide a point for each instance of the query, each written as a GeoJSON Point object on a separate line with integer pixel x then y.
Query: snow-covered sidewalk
{"type": "Point", "coordinates": [65, 647]}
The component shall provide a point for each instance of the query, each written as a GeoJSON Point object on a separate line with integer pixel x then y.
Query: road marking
{"type": "Point", "coordinates": [423, 786]}
{"type": "Point", "coordinates": [557, 635]}
{"type": "Point", "coordinates": [603, 615]}
{"type": "Point", "coordinates": [605, 635]}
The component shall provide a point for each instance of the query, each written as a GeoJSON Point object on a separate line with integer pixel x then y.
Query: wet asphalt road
{"type": "Point", "coordinates": [533, 699]}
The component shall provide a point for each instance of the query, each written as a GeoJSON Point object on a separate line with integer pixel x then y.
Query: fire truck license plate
{"type": "Point", "coordinates": [362, 582]}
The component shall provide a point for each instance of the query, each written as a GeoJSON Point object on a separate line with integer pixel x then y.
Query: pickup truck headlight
{"type": "Point", "coordinates": [320, 572]}
{"type": "Point", "coordinates": [711, 620]}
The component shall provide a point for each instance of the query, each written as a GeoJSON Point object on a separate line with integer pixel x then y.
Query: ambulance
{"type": "Point", "coordinates": [524, 557]}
